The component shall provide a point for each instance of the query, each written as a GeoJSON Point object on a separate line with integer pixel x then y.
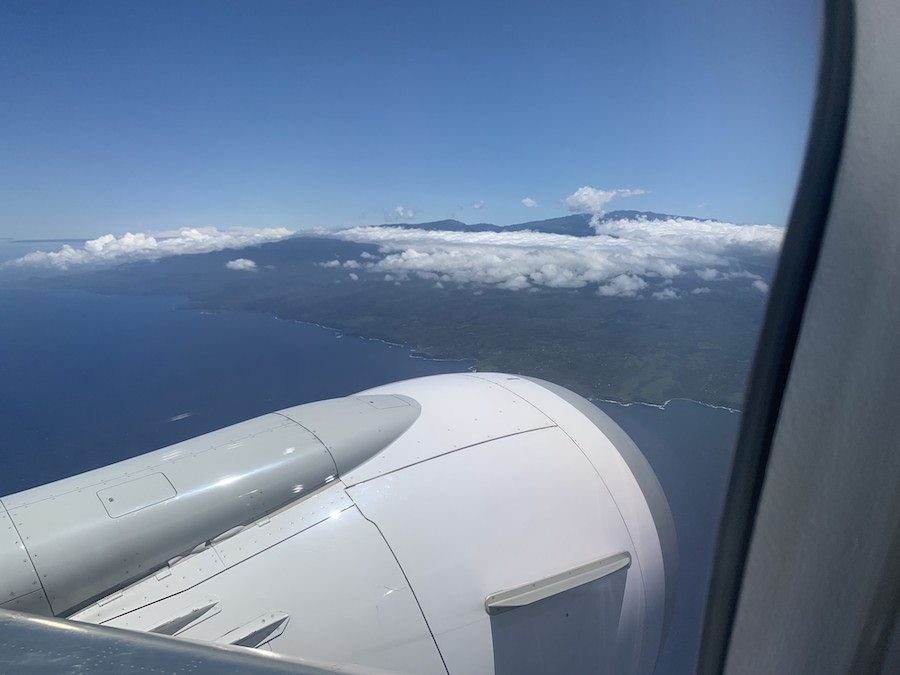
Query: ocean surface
{"type": "Point", "coordinates": [689, 446]}
{"type": "Point", "coordinates": [86, 380]}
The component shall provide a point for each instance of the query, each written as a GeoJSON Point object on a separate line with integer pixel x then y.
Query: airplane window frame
{"type": "Point", "coordinates": [781, 329]}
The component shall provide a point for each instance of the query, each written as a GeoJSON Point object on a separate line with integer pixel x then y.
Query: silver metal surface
{"type": "Point", "coordinates": [98, 531]}
{"type": "Point", "coordinates": [257, 632]}
{"type": "Point", "coordinates": [179, 622]}
{"type": "Point", "coordinates": [643, 474]}
{"type": "Point", "coordinates": [136, 494]}
{"type": "Point", "coordinates": [41, 645]}
{"type": "Point", "coordinates": [19, 583]}
{"type": "Point", "coordinates": [529, 593]}
{"type": "Point", "coordinates": [350, 427]}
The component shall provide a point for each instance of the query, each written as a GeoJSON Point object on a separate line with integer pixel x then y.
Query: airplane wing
{"type": "Point", "coordinates": [33, 644]}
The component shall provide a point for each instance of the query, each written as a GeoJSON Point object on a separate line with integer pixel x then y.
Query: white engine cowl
{"type": "Point", "coordinates": [471, 523]}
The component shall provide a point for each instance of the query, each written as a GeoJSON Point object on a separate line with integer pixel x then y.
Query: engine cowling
{"type": "Point", "coordinates": [463, 523]}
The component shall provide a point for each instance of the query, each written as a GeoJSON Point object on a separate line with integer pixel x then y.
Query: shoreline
{"type": "Point", "coordinates": [413, 353]}
{"type": "Point", "coordinates": [662, 406]}
{"type": "Point", "coordinates": [340, 333]}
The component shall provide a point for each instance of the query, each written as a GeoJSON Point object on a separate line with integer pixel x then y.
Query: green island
{"type": "Point", "coordinates": [614, 348]}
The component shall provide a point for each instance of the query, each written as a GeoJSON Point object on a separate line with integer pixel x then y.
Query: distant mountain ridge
{"type": "Point", "coordinates": [576, 225]}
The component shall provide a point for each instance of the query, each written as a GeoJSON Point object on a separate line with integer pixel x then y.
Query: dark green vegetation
{"type": "Point", "coordinates": [625, 349]}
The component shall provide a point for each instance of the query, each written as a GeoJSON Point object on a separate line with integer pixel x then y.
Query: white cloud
{"type": "Point", "coordinates": [710, 274]}
{"type": "Point", "coordinates": [709, 236]}
{"type": "Point", "coordinates": [241, 265]}
{"type": "Point", "coordinates": [741, 274]}
{"type": "Point", "coordinates": [330, 263]}
{"type": "Point", "coordinates": [353, 276]}
{"type": "Point", "coordinates": [109, 249]}
{"type": "Point", "coordinates": [667, 294]}
{"type": "Point", "coordinates": [587, 199]}
{"type": "Point", "coordinates": [761, 286]}
{"type": "Point", "coordinates": [529, 202]}
{"type": "Point", "coordinates": [479, 204]}
{"type": "Point", "coordinates": [400, 212]}
{"type": "Point", "coordinates": [618, 261]}
{"type": "Point", "coordinates": [624, 285]}
{"type": "Point", "coordinates": [701, 290]}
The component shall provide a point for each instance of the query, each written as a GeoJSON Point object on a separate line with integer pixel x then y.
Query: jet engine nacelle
{"type": "Point", "coordinates": [462, 523]}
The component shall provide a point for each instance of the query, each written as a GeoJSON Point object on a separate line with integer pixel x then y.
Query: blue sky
{"type": "Point", "coordinates": [148, 116]}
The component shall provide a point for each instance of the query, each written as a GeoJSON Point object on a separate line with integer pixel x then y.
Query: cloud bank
{"type": "Point", "coordinates": [241, 265]}
{"type": "Point", "coordinates": [709, 236]}
{"type": "Point", "coordinates": [109, 249]}
{"type": "Point", "coordinates": [624, 259]}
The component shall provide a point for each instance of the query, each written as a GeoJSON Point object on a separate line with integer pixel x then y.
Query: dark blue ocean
{"type": "Point", "coordinates": [86, 380]}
